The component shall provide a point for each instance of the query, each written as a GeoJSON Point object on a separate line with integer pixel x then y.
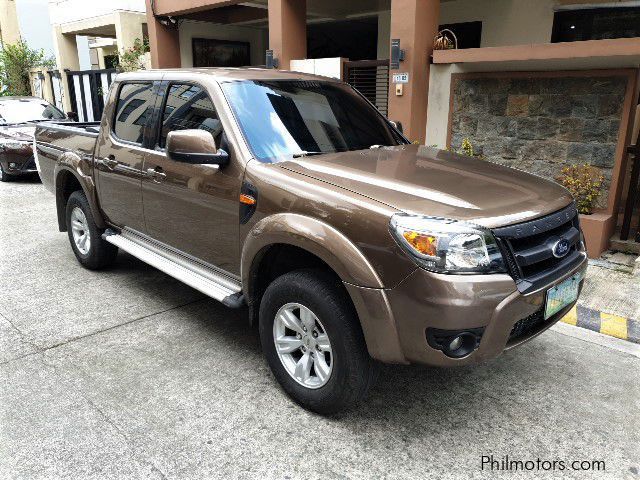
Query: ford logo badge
{"type": "Point", "coordinates": [561, 248]}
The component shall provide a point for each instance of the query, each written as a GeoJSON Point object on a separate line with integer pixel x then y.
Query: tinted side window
{"type": "Point", "coordinates": [134, 106]}
{"type": "Point", "coordinates": [189, 107]}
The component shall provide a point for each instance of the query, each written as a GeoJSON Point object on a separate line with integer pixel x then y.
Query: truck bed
{"type": "Point", "coordinates": [53, 139]}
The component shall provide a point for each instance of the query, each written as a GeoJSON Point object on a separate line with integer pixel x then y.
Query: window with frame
{"type": "Point", "coordinates": [188, 107]}
{"type": "Point", "coordinates": [596, 24]}
{"type": "Point", "coordinates": [133, 109]}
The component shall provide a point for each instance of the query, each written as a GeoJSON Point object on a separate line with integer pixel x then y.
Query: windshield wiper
{"type": "Point", "coordinates": [306, 154]}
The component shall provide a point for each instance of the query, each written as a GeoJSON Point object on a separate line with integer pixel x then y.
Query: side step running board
{"type": "Point", "coordinates": [206, 280]}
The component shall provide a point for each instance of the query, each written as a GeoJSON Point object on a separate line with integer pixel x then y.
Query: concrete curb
{"type": "Point", "coordinates": [605, 323]}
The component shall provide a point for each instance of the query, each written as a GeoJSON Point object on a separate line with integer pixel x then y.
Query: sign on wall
{"type": "Point", "coordinates": [400, 78]}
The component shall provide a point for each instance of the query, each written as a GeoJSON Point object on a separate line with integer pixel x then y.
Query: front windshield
{"type": "Point", "coordinates": [26, 110]}
{"type": "Point", "coordinates": [285, 118]}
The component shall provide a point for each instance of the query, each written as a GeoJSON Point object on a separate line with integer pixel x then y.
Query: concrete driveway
{"type": "Point", "coordinates": [129, 374]}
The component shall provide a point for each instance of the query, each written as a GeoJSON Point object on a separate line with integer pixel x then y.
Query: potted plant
{"type": "Point", "coordinates": [584, 182]}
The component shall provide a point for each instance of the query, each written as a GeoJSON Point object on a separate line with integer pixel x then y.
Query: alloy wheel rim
{"type": "Point", "coordinates": [80, 230]}
{"type": "Point", "coordinates": [303, 345]}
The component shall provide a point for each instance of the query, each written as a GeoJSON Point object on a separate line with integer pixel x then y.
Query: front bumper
{"type": "Point", "coordinates": [395, 321]}
{"type": "Point", "coordinates": [20, 162]}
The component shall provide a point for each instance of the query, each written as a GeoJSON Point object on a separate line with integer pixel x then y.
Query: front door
{"type": "Point", "coordinates": [120, 155]}
{"type": "Point", "coordinates": [192, 208]}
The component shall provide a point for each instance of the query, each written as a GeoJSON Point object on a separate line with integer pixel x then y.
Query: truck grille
{"type": "Point", "coordinates": [530, 248]}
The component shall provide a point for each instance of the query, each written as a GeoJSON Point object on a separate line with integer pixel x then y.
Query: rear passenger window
{"type": "Point", "coordinates": [189, 107]}
{"type": "Point", "coordinates": [133, 108]}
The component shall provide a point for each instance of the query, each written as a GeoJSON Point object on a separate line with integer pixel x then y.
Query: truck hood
{"type": "Point", "coordinates": [427, 181]}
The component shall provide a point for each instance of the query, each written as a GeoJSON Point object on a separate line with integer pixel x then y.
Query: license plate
{"type": "Point", "coordinates": [563, 294]}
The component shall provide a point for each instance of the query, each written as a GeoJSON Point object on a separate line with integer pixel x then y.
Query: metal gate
{"type": "Point", "coordinates": [88, 90]}
{"type": "Point", "coordinates": [633, 195]}
{"type": "Point", "coordinates": [56, 87]}
{"type": "Point", "coordinates": [371, 79]}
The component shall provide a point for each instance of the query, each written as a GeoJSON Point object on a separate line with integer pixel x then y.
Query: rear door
{"type": "Point", "coordinates": [121, 152]}
{"type": "Point", "coordinates": [193, 208]}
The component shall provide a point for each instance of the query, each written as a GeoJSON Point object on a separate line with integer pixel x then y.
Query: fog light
{"type": "Point", "coordinates": [13, 165]}
{"type": "Point", "coordinates": [456, 343]}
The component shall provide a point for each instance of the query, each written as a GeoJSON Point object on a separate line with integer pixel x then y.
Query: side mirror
{"type": "Point", "coordinates": [195, 146]}
{"type": "Point", "coordinates": [396, 125]}
{"type": "Point", "coordinates": [73, 116]}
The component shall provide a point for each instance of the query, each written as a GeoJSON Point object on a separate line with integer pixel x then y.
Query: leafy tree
{"type": "Point", "coordinates": [16, 60]}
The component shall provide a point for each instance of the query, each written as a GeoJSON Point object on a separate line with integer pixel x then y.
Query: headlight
{"type": "Point", "coordinates": [447, 246]}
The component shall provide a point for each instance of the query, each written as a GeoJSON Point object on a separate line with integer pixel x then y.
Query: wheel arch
{"type": "Point", "coordinates": [72, 175]}
{"type": "Point", "coordinates": [313, 236]}
{"type": "Point", "coordinates": [305, 242]}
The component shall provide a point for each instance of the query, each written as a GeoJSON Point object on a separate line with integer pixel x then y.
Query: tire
{"type": "Point", "coordinates": [95, 253]}
{"type": "Point", "coordinates": [3, 176]}
{"type": "Point", "coordinates": [352, 370]}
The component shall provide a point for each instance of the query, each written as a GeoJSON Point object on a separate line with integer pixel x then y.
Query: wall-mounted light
{"type": "Point", "coordinates": [397, 54]}
{"type": "Point", "coordinates": [168, 21]}
{"type": "Point", "coordinates": [270, 60]}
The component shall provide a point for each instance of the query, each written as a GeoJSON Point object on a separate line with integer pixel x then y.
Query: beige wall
{"type": "Point", "coordinates": [438, 105]}
{"type": "Point", "coordinates": [9, 21]}
{"type": "Point", "coordinates": [129, 27]}
{"type": "Point", "coordinates": [257, 38]}
{"type": "Point", "coordinates": [504, 22]}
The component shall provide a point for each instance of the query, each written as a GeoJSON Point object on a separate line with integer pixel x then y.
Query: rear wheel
{"type": "Point", "coordinates": [313, 342]}
{"type": "Point", "coordinates": [91, 250]}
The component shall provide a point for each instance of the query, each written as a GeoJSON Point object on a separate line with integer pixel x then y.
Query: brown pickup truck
{"type": "Point", "coordinates": [293, 195]}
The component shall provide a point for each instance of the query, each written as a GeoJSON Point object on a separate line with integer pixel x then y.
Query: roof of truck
{"type": "Point", "coordinates": [227, 74]}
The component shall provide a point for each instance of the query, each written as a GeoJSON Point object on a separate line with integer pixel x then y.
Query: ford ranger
{"type": "Point", "coordinates": [291, 194]}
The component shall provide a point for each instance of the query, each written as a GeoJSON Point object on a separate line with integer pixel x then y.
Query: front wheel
{"type": "Point", "coordinates": [313, 342]}
{"type": "Point", "coordinates": [3, 176]}
{"type": "Point", "coordinates": [91, 250]}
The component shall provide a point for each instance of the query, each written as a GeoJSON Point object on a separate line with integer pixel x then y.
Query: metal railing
{"type": "Point", "coordinates": [371, 79]}
{"type": "Point", "coordinates": [634, 192]}
{"type": "Point", "coordinates": [87, 92]}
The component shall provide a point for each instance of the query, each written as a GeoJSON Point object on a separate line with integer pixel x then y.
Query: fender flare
{"type": "Point", "coordinates": [315, 236]}
{"type": "Point", "coordinates": [361, 280]}
{"type": "Point", "coordinates": [70, 163]}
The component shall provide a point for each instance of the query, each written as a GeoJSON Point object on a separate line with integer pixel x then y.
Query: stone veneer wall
{"type": "Point", "coordinates": [541, 124]}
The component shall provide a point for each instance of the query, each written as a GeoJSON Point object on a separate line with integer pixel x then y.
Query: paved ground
{"type": "Point", "coordinates": [612, 290]}
{"type": "Point", "coordinates": [129, 374]}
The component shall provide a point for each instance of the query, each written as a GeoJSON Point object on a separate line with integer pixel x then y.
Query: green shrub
{"type": "Point", "coordinates": [16, 60]}
{"type": "Point", "coordinates": [585, 183]}
{"type": "Point", "coordinates": [131, 59]}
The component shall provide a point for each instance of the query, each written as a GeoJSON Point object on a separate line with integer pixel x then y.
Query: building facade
{"type": "Point", "coordinates": [110, 29]}
{"type": "Point", "coordinates": [534, 85]}
{"type": "Point", "coordinates": [9, 28]}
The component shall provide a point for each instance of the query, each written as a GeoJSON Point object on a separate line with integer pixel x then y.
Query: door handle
{"type": "Point", "coordinates": [156, 174]}
{"type": "Point", "coordinates": [110, 162]}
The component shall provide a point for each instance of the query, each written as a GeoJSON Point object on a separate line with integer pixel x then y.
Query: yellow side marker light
{"type": "Point", "coordinates": [425, 244]}
{"type": "Point", "coordinates": [247, 199]}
